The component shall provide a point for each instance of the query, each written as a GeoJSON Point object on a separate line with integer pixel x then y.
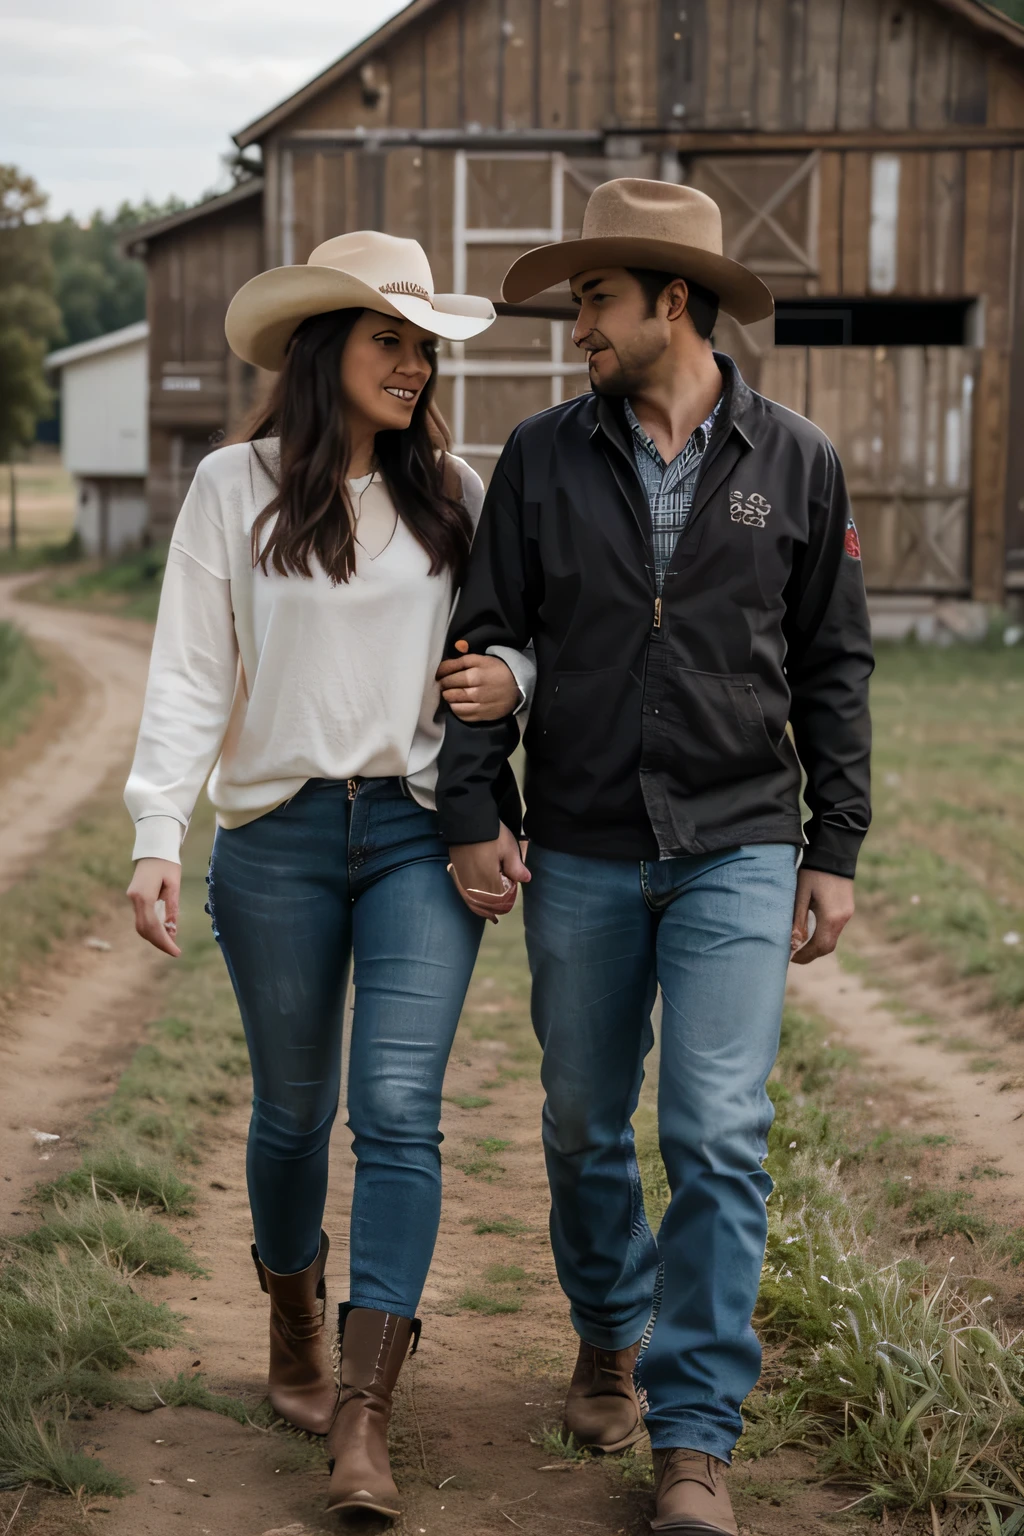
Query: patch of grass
{"type": "Point", "coordinates": [772, 1420]}
{"type": "Point", "coordinates": [467, 1100]}
{"type": "Point", "coordinates": [184, 1391]}
{"type": "Point", "coordinates": [555, 1442]}
{"type": "Point", "coordinates": [122, 1236]}
{"type": "Point", "coordinates": [484, 1165]}
{"type": "Point", "coordinates": [487, 1303]}
{"type": "Point", "coordinates": [904, 1384]}
{"type": "Point", "coordinates": [504, 1226]}
{"type": "Point", "coordinates": [635, 1467]}
{"type": "Point", "coordinates": [69, 1317]}
{"type": "Point", "coordinates": [57, 901]}
{"type": "Point", "coordinates": [505, 1274]}
{"type": "Point", "coordinates": [129, 585]}
{"type": "Point", "coordinates": [23, 681]}
{"type": "Point", "coordinates": [943, 865]}
{"type": "Point", "coordinates": [983, 1064]}
{"type": "Point", "coordinates": [116, 1172]}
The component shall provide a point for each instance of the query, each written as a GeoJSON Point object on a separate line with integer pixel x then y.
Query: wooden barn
{"type": "Point", "coordinates": [868, 156]}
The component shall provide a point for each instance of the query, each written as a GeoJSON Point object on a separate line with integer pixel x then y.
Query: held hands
{"type": "Point", "coordinates": [830, 899]}
{"type": "Point", "coordinates": [478, 687]}
{"type": "Point", "coordinates": [488, 875]}
{"type": "Point", "coordinates": [156, 880]}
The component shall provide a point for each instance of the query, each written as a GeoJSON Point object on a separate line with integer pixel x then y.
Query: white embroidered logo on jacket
{"type": "Point", "coordinates": [751, 513]}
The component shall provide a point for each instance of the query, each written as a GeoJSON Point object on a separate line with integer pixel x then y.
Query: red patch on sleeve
{"type": "Point", "coordinates": [852, 542]}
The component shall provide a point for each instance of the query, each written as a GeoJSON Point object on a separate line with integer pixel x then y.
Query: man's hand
{"type": "Point", "coordinates": [478, 687]}
{"type": "Point", "coordinates": [156, 880]}
{"type": "Point", "coordinates": [477, 869]}
{"type": "Point", "coordinates": [830, 898]}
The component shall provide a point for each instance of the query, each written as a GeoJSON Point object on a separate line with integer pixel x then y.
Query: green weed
{"type": "Point", "coordinates": [121, 1236]}
{"type": "Point", "coordinates": [23, 682]}
{"type": "Point", "coordinates": [504, 1226]}
{"type": "Point", "coordinates": [129, 585]}
{"type": "Point", "coordinates": [555, 1442]}
{"type": "Point", "coordinates": [488, 1304]}
{"type": "Point", "coordinates": [772, 1420]}
{"type": "Point", "coordinates": [117, 1172]}
{"type": "Point", "coordinates": [504, 1274]}
{"type": "Point", "coordinates": [467, 1100]}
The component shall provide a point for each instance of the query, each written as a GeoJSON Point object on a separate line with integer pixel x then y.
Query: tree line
{"type": "Point", "coordinates": [61, 282]}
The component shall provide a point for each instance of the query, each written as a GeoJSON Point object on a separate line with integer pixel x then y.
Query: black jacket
{"type": "Point", "coordinates": [659, 729]}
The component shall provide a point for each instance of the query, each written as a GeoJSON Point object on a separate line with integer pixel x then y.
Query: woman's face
{"type": "Point", "coordinates": [385, 367]}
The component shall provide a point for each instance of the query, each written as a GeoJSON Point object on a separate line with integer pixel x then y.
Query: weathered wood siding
{"type": "Point", "coordinates": [816, 66]}
{"type": "Point", "coordinates": [191, 275]}
{"type": "Point", "coordinates": [868, 148]}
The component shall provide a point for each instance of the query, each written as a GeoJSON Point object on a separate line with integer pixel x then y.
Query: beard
{"type": "Point", "coordinates": [632, 366]}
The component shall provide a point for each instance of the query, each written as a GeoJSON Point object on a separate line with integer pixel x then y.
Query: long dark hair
{"type": "Point", "coordinates": [314, 518]}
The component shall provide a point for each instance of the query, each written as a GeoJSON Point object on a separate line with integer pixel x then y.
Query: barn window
{"type": "Point", "coordinates": [884, 227]}
{"type": "Point", "coordinates": [844, 322]}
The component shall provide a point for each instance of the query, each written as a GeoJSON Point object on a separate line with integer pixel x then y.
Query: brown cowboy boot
{"type": "Point", "coordinates": [690, 1495]}
{"type": "Point", "coordinates": [373, 1350]}
{"type": "Point", "coordinates": [601, 1408]}
{"type": "Point", "coordinates": [302, 1385]}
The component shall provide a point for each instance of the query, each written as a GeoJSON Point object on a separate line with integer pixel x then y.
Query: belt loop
{"type": "Point", "coordinates": [404, 786]}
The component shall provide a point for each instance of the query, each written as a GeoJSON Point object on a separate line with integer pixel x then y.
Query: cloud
{"type": "Point", "coordinates": [103, 100]}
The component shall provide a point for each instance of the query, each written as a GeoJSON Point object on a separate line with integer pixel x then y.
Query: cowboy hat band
{"type": "Point", "coordinates": [657, 224]}
{"type": "Point", "coordinates": [361, 270]}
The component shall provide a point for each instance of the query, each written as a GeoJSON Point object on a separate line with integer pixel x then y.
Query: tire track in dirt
{"type": "Point", "coordinates": [964, 1078]}
{"type": "Point", "coordinates": [60, 1053]}
{"type": "Point", "coordinates": [111, 656]}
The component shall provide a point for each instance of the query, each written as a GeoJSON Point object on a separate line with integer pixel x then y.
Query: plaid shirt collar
{"type": "Point", "coordinates": [694, 447]}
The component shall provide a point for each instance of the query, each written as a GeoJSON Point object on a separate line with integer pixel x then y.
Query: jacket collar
{"type": "Point", "coordinates": [738, 411]}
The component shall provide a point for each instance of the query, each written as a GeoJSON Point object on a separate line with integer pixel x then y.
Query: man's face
{"type": "Point", "coordinates": [622, 340]}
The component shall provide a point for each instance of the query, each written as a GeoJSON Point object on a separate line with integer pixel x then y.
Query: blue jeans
{"type": "Point", "coordinates": [714, 932]}
{"type": "Point", "coordinates": [294, 897]}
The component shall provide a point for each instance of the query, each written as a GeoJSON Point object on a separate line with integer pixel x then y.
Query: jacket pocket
{"type": "Point", "coordinates": [714, 729]}
{"type": "Point", "coordinates": [577, 730]}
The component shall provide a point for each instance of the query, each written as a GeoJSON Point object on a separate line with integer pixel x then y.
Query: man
{"type": "Point", "coordinates": [682, 554]}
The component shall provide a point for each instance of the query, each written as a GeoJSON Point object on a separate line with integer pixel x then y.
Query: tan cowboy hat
{"type": "Point", "coordinates": [362, 270]}
{"type": "Point", "coordinates": [657, 224]}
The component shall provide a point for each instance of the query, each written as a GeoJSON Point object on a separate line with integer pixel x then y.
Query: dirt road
{"type": "Point", "coordinates": [109, 658]}
{"type": "Point", "coordinates": [482, 1385]}
{"type": "Point", "coordinates": [60, 1054]}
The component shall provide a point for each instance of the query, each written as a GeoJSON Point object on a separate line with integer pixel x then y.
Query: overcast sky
{"type": "Point", "coordinates": [102, 100]}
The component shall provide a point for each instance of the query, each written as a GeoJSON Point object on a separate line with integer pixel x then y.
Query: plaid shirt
{"type": "Point", "coordinates": [669, 487]}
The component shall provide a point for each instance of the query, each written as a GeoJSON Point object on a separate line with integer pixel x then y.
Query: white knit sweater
{"type": "Point", "coordinates": [273, 680]}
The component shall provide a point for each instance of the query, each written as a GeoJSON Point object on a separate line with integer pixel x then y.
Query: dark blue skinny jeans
{"type": "Point", "coordinates": [295, 897]}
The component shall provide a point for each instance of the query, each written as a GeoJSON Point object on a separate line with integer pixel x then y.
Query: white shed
{"type": "Point", "coordinates": [104, 388]}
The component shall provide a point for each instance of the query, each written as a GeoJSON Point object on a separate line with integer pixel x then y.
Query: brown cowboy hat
{"type": "Point", "coordinates": [657, 224]}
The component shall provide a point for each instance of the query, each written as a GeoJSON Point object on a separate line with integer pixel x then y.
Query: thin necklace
{"type": "Point", "coordinates": [358, 511]}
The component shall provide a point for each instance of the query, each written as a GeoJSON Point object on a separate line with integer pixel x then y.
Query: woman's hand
{"type": "Point", "coordinates": [488, 875]}
{"type": "Point", "coordinates": [478, 687]}
{"type": "Point", "coordinates": [156, 880]}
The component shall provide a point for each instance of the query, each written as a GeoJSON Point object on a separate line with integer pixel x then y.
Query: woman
{"type": "Point", "coordinates": [302, 619]}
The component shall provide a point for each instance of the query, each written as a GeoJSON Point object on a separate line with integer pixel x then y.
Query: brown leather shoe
{"type": "Point", "coordinates": [690, 1495]}
{"type": "Point", "coordinates": [373, 1350]}
{"type": "Point", "coordinates": [601, 1408]}
{"type": "Point", "coordinates": [302, 1385]}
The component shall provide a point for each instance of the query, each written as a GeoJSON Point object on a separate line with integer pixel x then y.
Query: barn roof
{"type": "Point", "coordinates": [143, 233]}
{"type": "Point", "coordinates": [985, 18]}
{"type": "Point", "coordinates": [127, 336]}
